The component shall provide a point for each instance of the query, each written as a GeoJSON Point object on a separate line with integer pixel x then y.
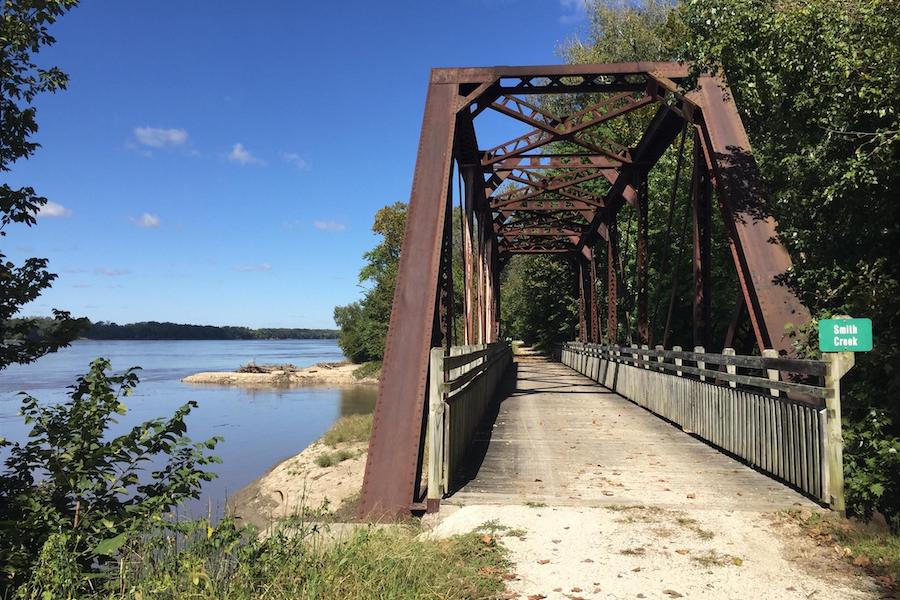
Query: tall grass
{"type": "Point", "coordinates": [197, 560]}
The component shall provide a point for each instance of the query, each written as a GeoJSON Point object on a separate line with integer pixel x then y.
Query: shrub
{"type": "Point", "coordinates": [872, 467]}
{"type": "Point", "coordinates": [70, 495]}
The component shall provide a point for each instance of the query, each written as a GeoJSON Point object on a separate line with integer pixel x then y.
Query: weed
{"type": "Point", "coordinates": [531, 504]}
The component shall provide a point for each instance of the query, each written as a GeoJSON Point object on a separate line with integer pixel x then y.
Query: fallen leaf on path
{"type": "Point", "coordinates": [536, 597]}
{"type": "Point", "coordinates": [556, 541]}
{"type": "Point", "coordinates": [587, 560]}
{"type": "Point", "coordinates": [543, 561]}
{"type": "Point", "coordinates": [683, 551]}
{"type": "Point", "coordinates": [636, 570]}
{"type": "Point", "coordinates": [691, 496]}
{"type": "Point", "coordinates": [510, 576]}
{"type": "Point", "coordinates": [673, 594]}
{"type": "Point", "coordinates": [575, 589]}
{"type": "Point", "coordinates": [737, 561]}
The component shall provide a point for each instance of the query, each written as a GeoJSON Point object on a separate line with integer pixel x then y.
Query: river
{"type": "Point", "coordinates": [260, 427]}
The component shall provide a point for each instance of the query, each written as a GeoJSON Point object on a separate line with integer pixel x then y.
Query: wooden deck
{"type": "Point", "coordinates": [561, 439]}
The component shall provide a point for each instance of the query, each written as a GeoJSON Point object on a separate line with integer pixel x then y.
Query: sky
{"type": "Point", "coordinates": [220, 162]}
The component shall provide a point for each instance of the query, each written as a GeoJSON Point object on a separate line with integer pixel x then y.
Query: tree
{"type": "Point", "coordinates": [23, 32]}
{"type": "Point", "coordinates": [539, 302]}
{"type": "Point", "coordinates": [364, 324]}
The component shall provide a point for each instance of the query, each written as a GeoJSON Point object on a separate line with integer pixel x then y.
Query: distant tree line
{"type": "Point", "coordinates": [154, 330]}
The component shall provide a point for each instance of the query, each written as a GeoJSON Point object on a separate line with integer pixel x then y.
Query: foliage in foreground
{"type": "Point", "coordinates": [73, 494]}
{"type": "Point", "coordinates": [198, 560]}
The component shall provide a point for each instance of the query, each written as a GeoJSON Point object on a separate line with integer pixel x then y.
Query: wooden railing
{"type": "Point", "coordinates": [462, 387]}
{"type": "Point", "coordinates": [780, 415]}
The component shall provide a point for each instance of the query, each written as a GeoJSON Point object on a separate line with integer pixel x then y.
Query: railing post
{"type": "Point", "coordinates": [730, 369]}
{"type": "Point", "coordinates": [772, 374]}
{"type": "Point", "coordinates": [700, 363]}
{"type": "Point", "coordinates": [838, 363]}
{"type": "Point", "coordinates": [660, 359]}
{"type": "Point", "coordinates": [646, 357]}
{"type": "Point", "coordinates": [678, 361]}
{"type": "Point", "coordinates": [436, 414]}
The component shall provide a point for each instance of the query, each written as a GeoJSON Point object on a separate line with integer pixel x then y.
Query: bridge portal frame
{"type": "Point", "coordinates": [422, 314]}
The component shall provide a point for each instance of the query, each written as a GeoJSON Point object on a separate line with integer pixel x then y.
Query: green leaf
{"type": "Point", "coordinates": [108, 547]}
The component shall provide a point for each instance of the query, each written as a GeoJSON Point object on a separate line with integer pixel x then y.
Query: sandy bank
{"type": "Point", "coordinates": [326, 375]}
{"type": "Point", "coordinates": [300, 482]}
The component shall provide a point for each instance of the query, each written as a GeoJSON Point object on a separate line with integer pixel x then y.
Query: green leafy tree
{"type": "Point", "coordinates": [73, 494]}
{"type": "Point", "coordinates": [364, 324]}
{"type": "Point", "coordinates": [23, 32]}
{"type": "Point", "coordinates": [539, 302]}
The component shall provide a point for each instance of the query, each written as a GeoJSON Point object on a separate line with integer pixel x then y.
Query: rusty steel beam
{"type": "Point", "coordinates": [612, 280]}
{"type": "Point", "coordinates": [393, 464]}
{"type": "Point", "coordinates": [643, 325]}
{"type": "Point", "coordinates": [701, 193]}
{"type": "Point", "coordinates": [762, 262]}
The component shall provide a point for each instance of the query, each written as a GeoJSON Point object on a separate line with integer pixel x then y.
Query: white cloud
{"type": "Point", "coordinates": [53, 210]}
{"type": "Point", "coordinates": [253, 268]}
{"type": "Point", "coordinates": [160, 138]}
{"type": "Point", "coordinates": [294, 159]}
{"type": "Point", "coordinates": [108, 272]}
{"type": "Point", "coordinates": [329, 226]}
{"type": "Point", "coordinates": [147, 220]}
{"type": "Point", "coordinates": [242, 156]}
{"type": "Point", "coordinates": [575, 11]}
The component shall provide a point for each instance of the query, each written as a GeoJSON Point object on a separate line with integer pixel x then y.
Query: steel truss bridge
{"type": "Point", "coordinates": [537, 193]}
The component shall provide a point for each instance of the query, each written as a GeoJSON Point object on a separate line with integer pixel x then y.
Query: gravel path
{"type": "Point", "coordinates": [630, 552]}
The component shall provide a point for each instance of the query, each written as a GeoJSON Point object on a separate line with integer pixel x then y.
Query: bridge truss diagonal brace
{"type": "Point", "coordinates": [392, 474]}
{"type": "Point", "coordinates": [761, 260]}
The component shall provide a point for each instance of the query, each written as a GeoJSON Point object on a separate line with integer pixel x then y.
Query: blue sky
{"type": "Point", "coordinates": [221, 162]}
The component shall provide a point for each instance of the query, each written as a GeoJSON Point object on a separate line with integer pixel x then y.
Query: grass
{"type": "Point", "coordinates": [352, 428]}
{"type": "Point", "coordinates": [370, 369]}
{"type": "Point", "coordinates": [531, 504]}
{"type": "Point", "coordinates": [204, 562]}
{"type": "Point", "coordinates": [329, 459]}
{"type": "Point", "coordinates": [870, 547]}
{"type": "Point", "coordinates": [494, 526]}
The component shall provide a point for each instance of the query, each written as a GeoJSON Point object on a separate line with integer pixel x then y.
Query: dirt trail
{"type": "Point", "coordinates": [614, 551]}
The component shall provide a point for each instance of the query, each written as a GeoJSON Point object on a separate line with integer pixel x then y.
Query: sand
{"type": "Point", "coordinates": [298, 483]}
{"type": "Point", "coordinates": [320, 375]}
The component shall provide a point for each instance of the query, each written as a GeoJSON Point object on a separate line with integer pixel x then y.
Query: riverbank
{"type": "Point", "coordinates": [321, 481]}
{"type": "Point", "coordinates": [322, 374]}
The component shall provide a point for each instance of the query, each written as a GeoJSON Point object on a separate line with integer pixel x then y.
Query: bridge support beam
{"type": "Point", "coordinates": [643, 324]}
{"type": "Point", "coordinates": [701, 218]}
{"type": "Point", "coordinates": [612, 281]}
{"type": "Point", "coordinates": [393, 467]}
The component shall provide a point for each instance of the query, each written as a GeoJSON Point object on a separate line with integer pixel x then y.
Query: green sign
{"type": "Point", "coordinates": [845, 335]}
